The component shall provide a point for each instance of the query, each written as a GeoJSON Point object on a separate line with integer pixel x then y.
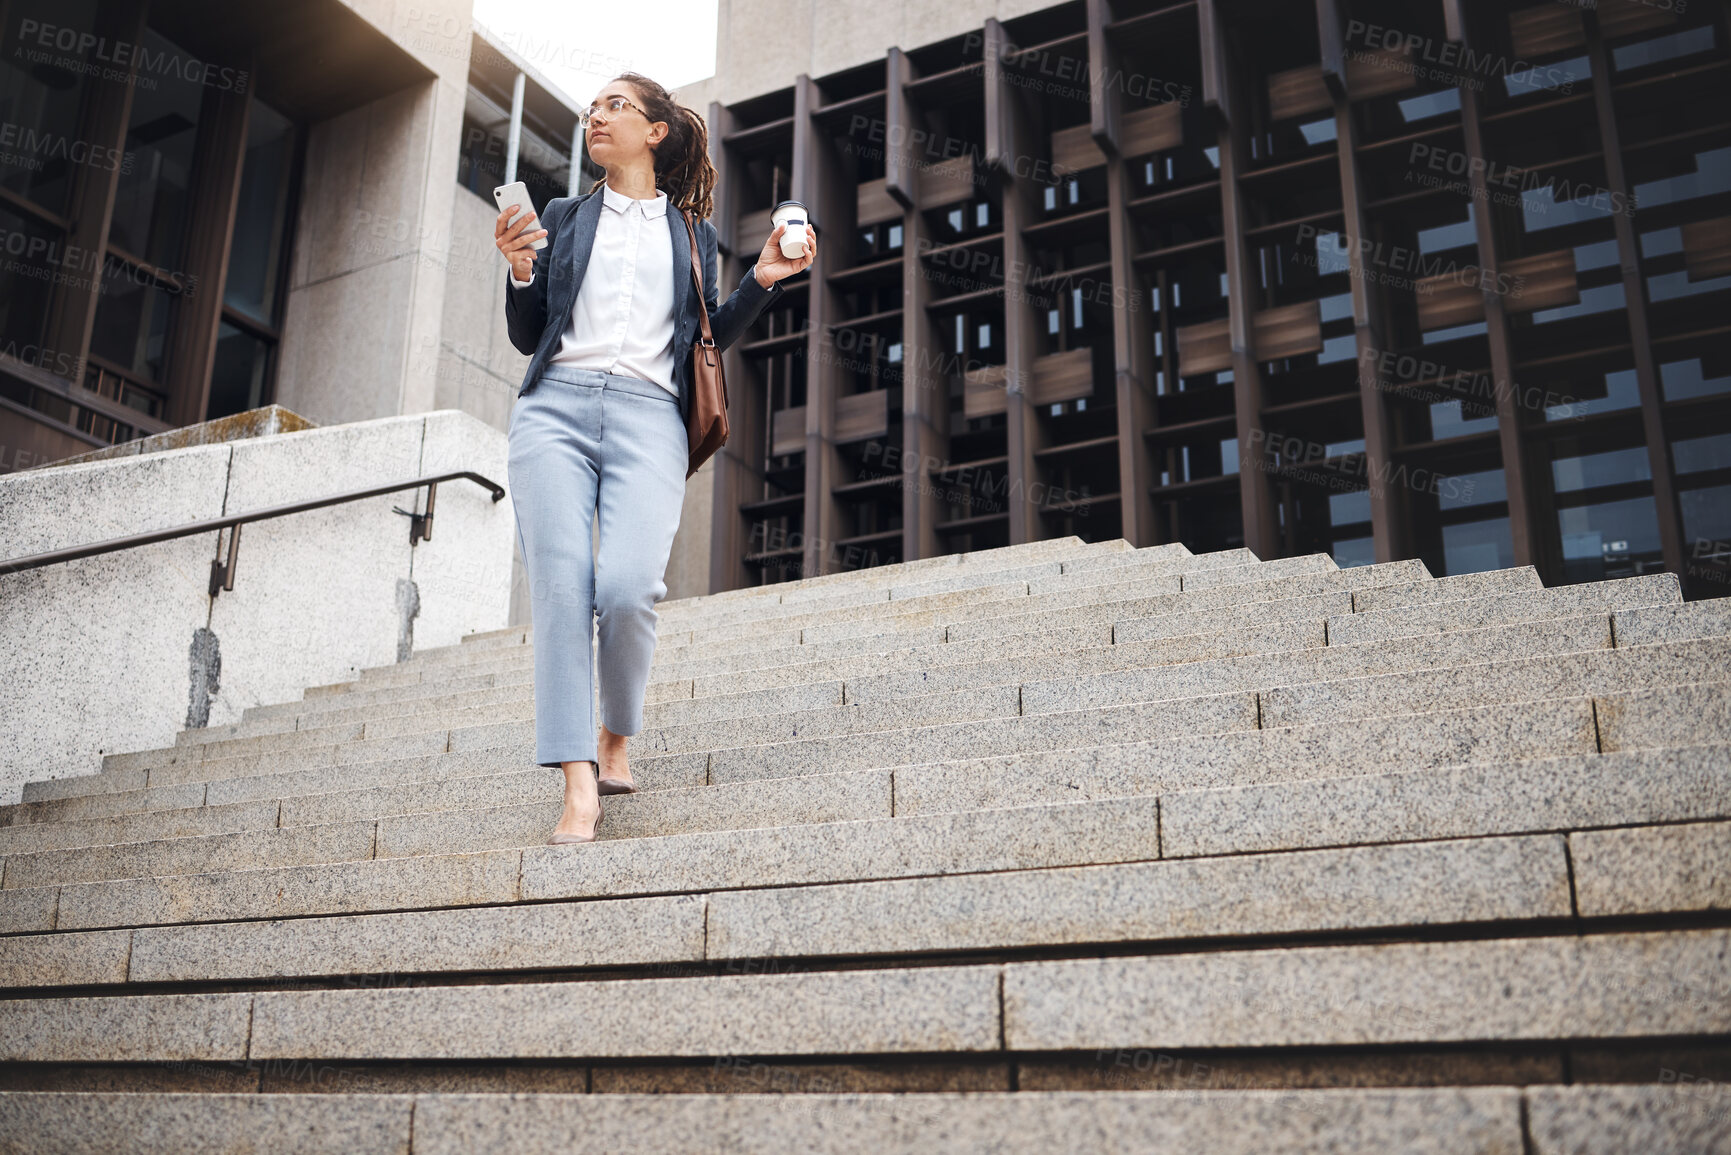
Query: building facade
{"type": "Point", "coordinates": [1445, 279]}
{"type": "Point", "coordinates": [1414, 278]}
{"type": "Point", "coordinates": [207, 210]}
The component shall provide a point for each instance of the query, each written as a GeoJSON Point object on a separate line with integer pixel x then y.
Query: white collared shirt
{"type": "Point", "coordinates": [622, 321]}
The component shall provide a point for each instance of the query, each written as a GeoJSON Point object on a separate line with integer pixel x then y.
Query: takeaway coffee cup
{"type": "Point", "coordinates": [791, 214]}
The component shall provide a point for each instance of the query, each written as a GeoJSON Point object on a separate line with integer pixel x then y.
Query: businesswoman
{"type": "Point", "coordinates": [608, 314]}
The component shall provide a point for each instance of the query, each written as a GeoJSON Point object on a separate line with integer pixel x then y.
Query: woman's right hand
{"type": "Point", "coordinates": [514, 241]}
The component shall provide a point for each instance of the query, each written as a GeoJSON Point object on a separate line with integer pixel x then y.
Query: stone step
{"type": "Point", "coordinates": [1508, 990]}
{"type": "Point", "coordinates": [954, 665]}
{"type": "Point", "coordinates": [1636, 788]}
{"type": "Point", "coordinates": [1333, 675]}
{"type": "Point", "coordinates": [1113, 830]}
{"type": "Point", "coordinates": [1512, 679]}
{"type": "Point", "coordinates": [1232, 892]}
{"type": "Point", "coordinates": [139, 826]}
{"type": "Point", "coordinates": [1157, 592]}
{"type": "Point", "coordinates": [925, 614]}
{"type": "Point", "coordinates": [1376, 888]}
{"type": "Point", "coordinates": [1563, 601]}
{"type": "Point", "coordinates": [1094, 612]}
{"type": "Point", "coordinates": [1653, 869]}
{"type": "Point", "coordinates": [1307, 892]}
{"type": "Point", "coordinates": [1169, 576]}
{"type": "Point", "coordinates": [654, 772]}
{"type": "Point", "coordinates": [1521, 731]}
{"type": "Point", "coordinates": [904, 745]}
{"type": "Point", "coordinates": [481, 813]}
{"type": "Point", "coordinates": [244, 850]}
{"type": "Point", "coordinates": [1359, 1121]}
{"type": "Point", "coordinates": [931, 590]}
{"type": "Point", "coordinates": [1589, 986]}
{"type": "Point", "coordinates": [1128, 672]}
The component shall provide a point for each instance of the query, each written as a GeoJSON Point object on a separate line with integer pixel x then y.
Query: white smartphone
{"type": "Point", "coordinates": [517, 193]}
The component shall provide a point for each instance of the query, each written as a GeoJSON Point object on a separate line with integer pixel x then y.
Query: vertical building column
{"type": "Point", "coordinates": [107, 108]}
{"type": "Point", "coordinates": [514, 135]}
{"type": "Point", "coordinates": [812, 184]}
{"type": "Point", "coordinates": [735, 466]}
{"type": "Point", "coordinates": [1635, 301]}
{"type": "Point", "coordinates": [1009, 135]}
{"type": "Point", "coordinates": [925, 384]}
{"type": "Point", "coordinates": [1524, 530]}
{"type": "Point", "coordinates": [215, 201]}
{"type": "Point", "coordinates": [1132, 337]}
{"type": "Point", "coordinates": [1219, 94]}
{"type": "Point", "coordinates": [1390, 517]}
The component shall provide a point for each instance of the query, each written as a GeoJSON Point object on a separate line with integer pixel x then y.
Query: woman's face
{"type": "Point", "coordinates": [614, 138]}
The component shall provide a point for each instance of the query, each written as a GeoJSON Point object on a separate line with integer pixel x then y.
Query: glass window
{"type": "Point", "coordinates": [1564, 74]}
{"type": "Point", "coordinates": [1349, 508]}
{"type": "Point", "coordinates": [41, 149]}
{"type": "Point", "coordinates": [1592, 470]}
{"type": "Point", "coordinates": [1702, 454]}
{"type": "Point", "coordinates": [1470, 489]}
{"type": "Point", "coordinates": [1450, 419]}
{"type": "Point", "coordinates": [255, 253]}
{"type": "Point", "coordinates": [1431, 104]}
{"type": "Point", "coordinates": [1712, 175]}
{"type": "Point", "coordinates": [1683, 380]}
{"type": "Point", "coordinates": [133, 315]}
{"type": "Point", "coordinates": [1611, 539]}
{"type": "Point", "coordinates": [239, 372]}
{"type": "Point", "coordinates": [1622, 391]}
{"type": "Point", "coordinates": [1477, 546]}
{"type": "Point", "coordinates": [1706, 514]}
{"type": "Point", "coordinates": [1355, 552]}
{"type": "Point", "coordinates": [1662, 48]}
{"type": "Point", "coordinates": [152, 203]}
{"type": "Point", "coordinates": [1445, 237]}
{"type": "Point", "coordinates": [24, 284]}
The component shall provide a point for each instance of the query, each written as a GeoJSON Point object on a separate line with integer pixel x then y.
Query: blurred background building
{"type": "Point", "coordinates": [1444, 279]}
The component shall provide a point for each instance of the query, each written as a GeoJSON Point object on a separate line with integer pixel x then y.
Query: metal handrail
{"type": "Point", "coordinates": [221, 573]}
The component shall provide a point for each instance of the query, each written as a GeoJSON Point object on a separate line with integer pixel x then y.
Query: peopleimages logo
{"type": "Point", "coordinates": [1415, 265]}
{"type": "Point", "coordinates": [23, 146]}
{"type": "Point", "coordinates": [1453, 56]}
{"type": "Point", "coordinates": [91, 53]}
{"type": "Point", "coordinates": [1516, 180]}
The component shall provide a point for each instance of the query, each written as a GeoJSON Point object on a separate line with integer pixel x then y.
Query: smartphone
{"type": "Point", "coordinates": [517, 193]}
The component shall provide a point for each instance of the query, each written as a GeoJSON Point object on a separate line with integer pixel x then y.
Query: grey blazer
{"type": "Point", "coordinates": [538, 315]}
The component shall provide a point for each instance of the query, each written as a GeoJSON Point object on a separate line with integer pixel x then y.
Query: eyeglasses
{"type": "Point", "coordinates": [614, 106]}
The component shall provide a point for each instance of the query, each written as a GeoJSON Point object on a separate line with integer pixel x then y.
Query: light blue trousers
{"type": "Point", "coordinates": [587, 445]}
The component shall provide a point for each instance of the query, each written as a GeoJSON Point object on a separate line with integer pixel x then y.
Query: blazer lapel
{"type": "Point", "coordinates": [577, 242]}
{"type": "Point", "coordinates": [681, 262]}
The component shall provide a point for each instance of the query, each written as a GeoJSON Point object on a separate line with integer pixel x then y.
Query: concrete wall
{"type": "Point", "coordinates": [119, 652]}
{"type": "Point", "coordinates": [372, 240]}
{"type": "Point", "coordinates": [819, 37]}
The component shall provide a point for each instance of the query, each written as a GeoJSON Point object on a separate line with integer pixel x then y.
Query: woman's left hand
{"type": "Point", "coordinates": [772, 266]}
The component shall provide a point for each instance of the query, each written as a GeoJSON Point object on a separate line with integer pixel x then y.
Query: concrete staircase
{"type": "Point", "coordinates": [1060, 847]}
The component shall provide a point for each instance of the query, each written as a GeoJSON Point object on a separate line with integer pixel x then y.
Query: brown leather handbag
{"type": "Point", "coordinates": [706, 414]}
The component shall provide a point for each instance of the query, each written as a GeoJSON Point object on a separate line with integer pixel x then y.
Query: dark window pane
{"type": "Point", "coordinates": [26, 283]}
{"type": "Point", "coordinates": [150, 209]}
{"type": "Point", "coordinates": [41, 94]}
{"type": "Point", "coordinates": [255, 254]}
{"type": "Point", "coordinates": [237, 378]}
{"type": "Point", "coordinates": [1477, 546]}
{"type": "Point", "coordinates": [132, 321]}
{"type": "Point", "coordinates": [1706, 514]}
{"type": "Point", "coordinates": [1609, 540]}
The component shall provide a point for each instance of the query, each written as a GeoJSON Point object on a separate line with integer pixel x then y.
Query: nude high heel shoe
{"type": "Point", "coordinates": [569, 839]}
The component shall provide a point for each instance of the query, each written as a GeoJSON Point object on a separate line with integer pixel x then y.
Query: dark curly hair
{"type": "Point", "coordinates": [682, 167]}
